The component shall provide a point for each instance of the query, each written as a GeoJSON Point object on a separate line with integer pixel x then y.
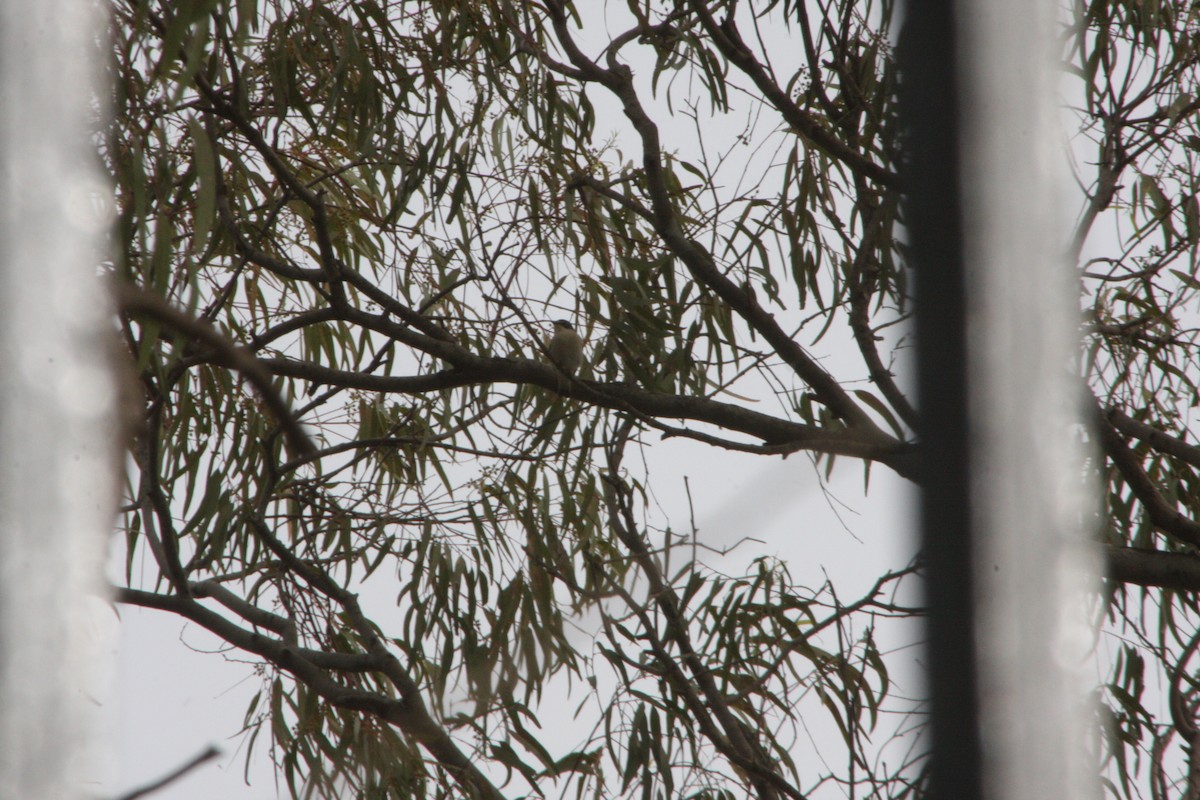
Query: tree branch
{"type": "Point", "coordinates": [1179, 571]}
{"type": "Point", "coordinates": [411, 713]}
{"type": "Point", "coordinates": [619, 80]}
{"type": "Point", "coordinates": [737, 742]}
{"type": "Point", "coordinates": [729, 41]}
{"type": "Point", "coordinates": [136, 301]}
{"type": "Point", "coordinates": [407, 713]}
{"type": "Point", "coordinates": [780, 436]}
{"type": "Point", "coordinates": [1157, 509]}
{"type": "Point", "coordinates": [1155, 437]}
{"type": "Point", "coordinates": [208, 754]}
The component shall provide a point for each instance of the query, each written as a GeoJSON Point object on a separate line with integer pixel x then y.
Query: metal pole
{"type": "Point", "coordinates": [1003, 503]}
{"type": "Point", "coordinates": [56, 463]}
{"type": "Point", "coordinates": [933, 212]}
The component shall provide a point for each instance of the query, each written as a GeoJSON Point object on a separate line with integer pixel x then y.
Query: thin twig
{"type": "Point", "coordinates": [210, 753]}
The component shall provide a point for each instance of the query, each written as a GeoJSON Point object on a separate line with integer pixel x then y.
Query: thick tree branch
{"type": "Point", "coordinates": [1155, 437]}
{"type": "Point", "coordinates": [780, 436]}
{"type": "Point", "coordinates": [408, 712]}
{"type": "Point", "coordinates": [256, 616]}
{"type": "Point", "coordinates": [136, 301]}
{"type": "Point", "coordinates": [1179, 571]}
{"type": "Point", "coordinates": [412, 716]}
{"type": "Point", "coordinates": [274, 650]}
{"type": "Point", "coordinates": [1157, 509]}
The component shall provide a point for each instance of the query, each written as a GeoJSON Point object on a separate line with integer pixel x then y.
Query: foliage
{"type": "Point", "coordinates": [341, 226]}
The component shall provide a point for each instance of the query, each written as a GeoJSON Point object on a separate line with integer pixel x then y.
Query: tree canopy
{"type": "Point", "coordinates": [342, 228]}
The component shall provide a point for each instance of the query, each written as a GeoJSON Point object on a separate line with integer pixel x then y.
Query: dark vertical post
{"type": "Point", "coordinates": [933, 213]}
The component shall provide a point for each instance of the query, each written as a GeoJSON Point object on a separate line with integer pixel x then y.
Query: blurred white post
{"type": "Point", "coordinates": [1029, 502]}
{"type": "Point", "coordinates": [56, 398]}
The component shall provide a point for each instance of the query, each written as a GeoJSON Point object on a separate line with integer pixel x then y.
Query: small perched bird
{"type": "Point", "coordinates": [565, 347]}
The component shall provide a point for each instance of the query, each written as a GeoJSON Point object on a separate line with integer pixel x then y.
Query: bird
{"type": "Point", "coordinates": [565, 347]}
